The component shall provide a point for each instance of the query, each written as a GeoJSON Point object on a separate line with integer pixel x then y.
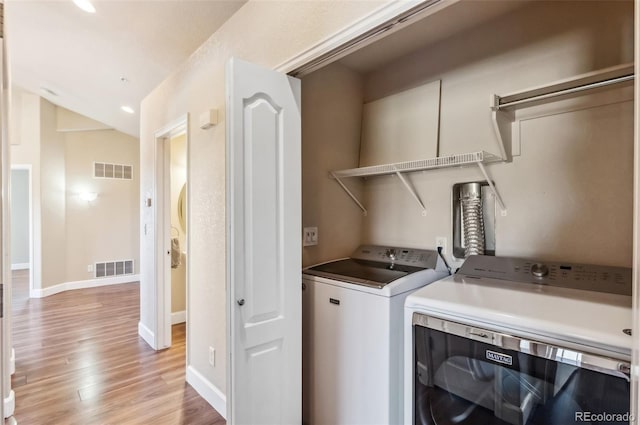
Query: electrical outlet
{"type": "Point", "coordinates": [212, 356]}
{"type": "Point", "coordinates": [441, 241]}
{"type": "Point", "coordinates": [310, 236]}
{"type": "Point", "coordinates": [90, 268]}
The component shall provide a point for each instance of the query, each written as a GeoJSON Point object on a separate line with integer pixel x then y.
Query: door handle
{"type": "Point", "coordinates": [240, 302]}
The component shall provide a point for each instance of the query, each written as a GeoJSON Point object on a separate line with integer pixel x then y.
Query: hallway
{"type": "Point", "coordinates": [79, 360]}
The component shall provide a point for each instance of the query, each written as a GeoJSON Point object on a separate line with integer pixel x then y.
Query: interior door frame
{"type": "Point", "coordinates": [635, 360]}
{"type": "Point", "coordinates": [162, 231]}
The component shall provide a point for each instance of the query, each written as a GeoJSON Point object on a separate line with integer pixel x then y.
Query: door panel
{"type": "Point", "coordinates": [263, 144]}
{"type": "Point", "coordinates": [264, 307]}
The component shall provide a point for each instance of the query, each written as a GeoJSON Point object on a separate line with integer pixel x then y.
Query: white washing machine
{"type": "Point", "coordinates": [353, 333]}
{"type": "Point", "coordinates": [512, 341]}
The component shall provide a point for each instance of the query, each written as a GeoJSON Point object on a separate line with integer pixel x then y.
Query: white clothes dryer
{"type": "Point", "coordinates": [513, 341]}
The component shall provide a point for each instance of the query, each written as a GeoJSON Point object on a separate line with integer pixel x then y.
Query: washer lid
{"type": "Point", "coordinates": [376, 266]}
{"type": "Point", "coordinates": [362, 272]}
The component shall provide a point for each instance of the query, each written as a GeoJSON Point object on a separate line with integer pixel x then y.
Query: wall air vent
{"type": "Point", "coordinates": [114, 268]}
{"type": "Point", "coordinates": [102, 170]}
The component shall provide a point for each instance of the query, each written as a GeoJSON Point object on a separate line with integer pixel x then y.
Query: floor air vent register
{"type": "Point", "coordinates": [114, 268]}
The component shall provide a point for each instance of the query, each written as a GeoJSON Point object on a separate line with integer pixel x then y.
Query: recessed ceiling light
{"type": "Point", "coordinates": [128, 109]}
{"type": "Point", "coordinates": [85, 5]}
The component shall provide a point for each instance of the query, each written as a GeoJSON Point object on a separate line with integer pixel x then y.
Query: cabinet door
{"type": "Point", "coordinates": [348, 361]}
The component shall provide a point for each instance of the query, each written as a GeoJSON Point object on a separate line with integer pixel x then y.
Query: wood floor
{"type": "Point", "coordinates": [79, 360]}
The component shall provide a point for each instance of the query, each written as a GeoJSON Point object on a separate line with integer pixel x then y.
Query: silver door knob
{"type": "Point", "coordinates": [240, 302]}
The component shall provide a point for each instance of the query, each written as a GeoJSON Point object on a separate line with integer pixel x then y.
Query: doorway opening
{"type": "Point", "coordinates": [172, 240]}
{"type": "Point", "coordinates": [22, 227]}
{"type": "Point", "coordinates": [22, 262]}
{"type": "Point", "coordinates": [178, 232]}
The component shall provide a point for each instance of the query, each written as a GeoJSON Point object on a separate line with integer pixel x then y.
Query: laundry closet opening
{"type": "Point", "coordinates": [565, 174]}
{"type": "Point", "coordinates": [567, 184]}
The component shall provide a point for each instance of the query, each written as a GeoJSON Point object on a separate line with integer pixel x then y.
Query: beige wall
{"type": "Point", "coordinates": [178, 146]}
{"type": "Point", "coordinates": [68, 233]}
{"type": "Point", "coordinates": [24, 135]}
{"type": "Point", "coordinates": [260, 32]}
{"type": "Point", "coordinates": [332, 111]}
{"type": "Point", "coordinates": [67, 120]}
{"type": "Point", "coordinates": [546, 41]}
{"type": "Point", "coordinates": [53, 198]}
{"type": "Point", "coordinates": [570, 189]}
{"type": "Point", "coordinates": [105, 229]}
{"type": "Point", "coordinates": [569, 194]}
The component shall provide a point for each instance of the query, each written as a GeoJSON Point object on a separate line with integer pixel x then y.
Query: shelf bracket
{"type": "Point", "coordinates": [493, 189]}
{"type": "Point", "coordinates": [351, 195]}
{"type": "Point", "coordinates": [412, 192]}
{"type": "Point", "coordinates": [503, 127]}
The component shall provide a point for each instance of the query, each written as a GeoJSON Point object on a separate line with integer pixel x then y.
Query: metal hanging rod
{"type": "Point", "coordinates": [572, 90]}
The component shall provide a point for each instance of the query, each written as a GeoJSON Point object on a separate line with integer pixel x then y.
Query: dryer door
{"type": "Point", "coordinates": [475, 376]}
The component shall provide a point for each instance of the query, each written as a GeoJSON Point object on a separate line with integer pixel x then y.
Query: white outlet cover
{"type": "Point", "coordinates": [310, 236]}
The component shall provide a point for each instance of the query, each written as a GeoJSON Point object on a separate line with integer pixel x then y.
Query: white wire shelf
{"type": "Point", "coordinates": [420, 165]}
{"type": "Point", "coordinates": [399, 168]}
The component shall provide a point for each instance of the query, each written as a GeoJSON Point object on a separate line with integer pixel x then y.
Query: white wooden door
{"type": "Point", "coordinates": [264, 246]}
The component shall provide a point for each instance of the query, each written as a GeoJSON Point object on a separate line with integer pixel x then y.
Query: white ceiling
{"type": "Point", "coordinates": [446, 23]}
{"type": "Point", "coordinates": [81, 57]}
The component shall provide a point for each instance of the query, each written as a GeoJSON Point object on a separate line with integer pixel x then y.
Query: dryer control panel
{"type": "Point", "coordinates": [615, 280]}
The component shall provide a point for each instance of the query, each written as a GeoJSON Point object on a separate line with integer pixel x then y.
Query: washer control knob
{"type": "Point", "coordinates": [391, 253]}
{"type": "Point", "coordinates": [539, 270]}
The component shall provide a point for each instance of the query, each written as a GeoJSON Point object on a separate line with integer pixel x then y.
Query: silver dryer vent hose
{"type": "Point", "coordinates": [471, 201]}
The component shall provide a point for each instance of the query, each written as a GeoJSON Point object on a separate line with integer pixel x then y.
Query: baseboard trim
{"type": "Point", "coordinates": [20, 266]}
{"type": "Point", "coordinates": [207, 390]}
{"type": "Point", "coordinates": [178, 317]}
{"type": "Point", "coordinates": [9, 404]}
{"type": "Point", "coordinates": [146, 334]}
{"type": "Point", "coordinates": [83, 284]}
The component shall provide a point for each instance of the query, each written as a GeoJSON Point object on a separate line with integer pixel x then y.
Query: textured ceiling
{"type": "Point", "coordinates": [81, 57]}
{"type": "Point", "coordinates": [452, 20]}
